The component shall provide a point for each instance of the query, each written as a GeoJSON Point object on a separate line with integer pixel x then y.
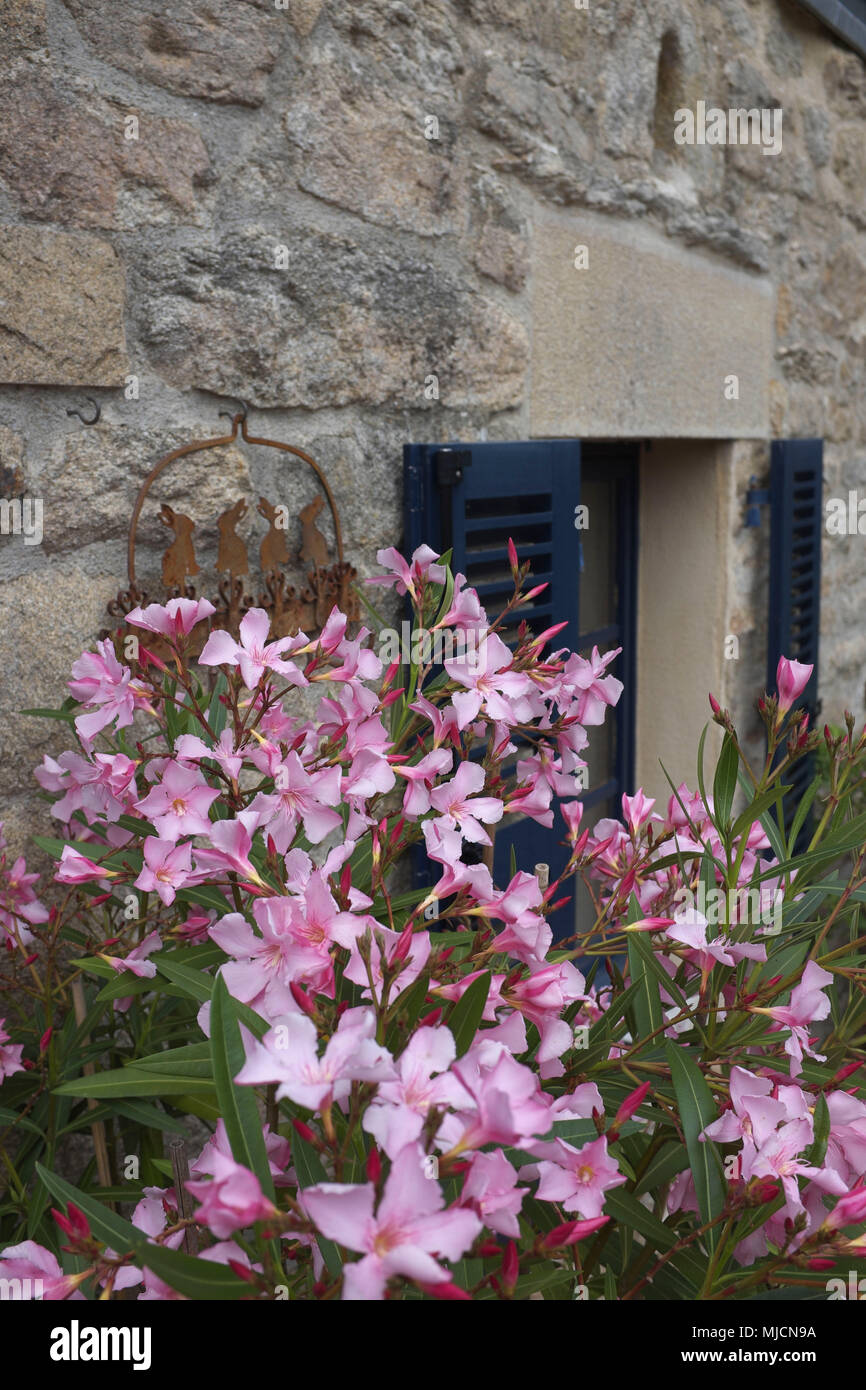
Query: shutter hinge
{"type": "Point", "coordinates": [449, 465]}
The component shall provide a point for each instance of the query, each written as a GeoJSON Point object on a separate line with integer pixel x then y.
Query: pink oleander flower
{"type": "Point", "coordinates": [106, 689]}
{"type": "Point", "coordinates": [403, 1236]}
{"type": "Point", "coordinates": [490, 684]}
{"type": "Point", "coordinates": [19, 906]}
{"type": "Point", "coordinates": [10, 1054]}
{"type": "Point", "coordinates": [289, 1056]}
{"type": "Point", "coordinates": [850, 1210]}
{"type": "Point", "coordinates": [543, 996]}
{"type": "Point", "coordinates": [690, 930]}
{"type": "Point", "coordinates": [780, 1157]}
{"type": "Point", "coordinates": [254, 655]}
{"type": "Point", "coordinates": [792, 677]}
{"type": "Point", "coordinates": [300, 798]}
{"type": "Point", "coordinates": [298, 933]}
{"type": "Point", "coordinates": [179, 804]}
{"type": "Point", "coordinates": [458, 801]}
{"type": "Point", "coordinates": [101, 785]}
{"type": "Point", "coordinates": [232, 1199]}
{"type": "Point", "coordinates": [38, 1272]}
{"type": "Point", "coordinates": [808, 1004]}
{"type": "Point", "coordinates": [75, 867]}
{"type": "Point", "coordinates": [591, 688]}
{"type": "Point", "coordinates": [173, 620]}
{"type": "Point", "coordinates": [407, 578]}
{"type": "Point", "coordinates": [414, 961]}
{"type": "Point", "coordinates": [420, 777]}
{"type": "Point", "coordinates": [230, 844]}
{"type": "Point", "coordinates": [578, 1178]}
{"type": "Point", "coordinates": [279, 1152]}
{"type": "Point", "coordinates": [754, 1114]}
{"type": "Point", "coordinates": [136, 961]}
{"type": "Point", "coordinates": [191, 749]}
{"type": "Point", "coordinates": [527, 934]}
{"type": "Point", "coordinates": [167, 867]}
{"type": "Point", "coordinates": [636, 810]}
{"type": "Point", "coordinates": [498, 1100]}
{"type": "Point", "coordinates": [465, 613]}
{"type": "Point", "coordinates": [491, 1190]}
{"type": "Point", "coordinates": [400, 1107]}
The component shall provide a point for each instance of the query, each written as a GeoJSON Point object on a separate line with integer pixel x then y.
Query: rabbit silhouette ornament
{"type": "Point", "coordinates": [178, 562]}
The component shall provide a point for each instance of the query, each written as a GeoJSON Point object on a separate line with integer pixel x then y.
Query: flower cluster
{"type": "Point", "coordinates": [456, 1104]}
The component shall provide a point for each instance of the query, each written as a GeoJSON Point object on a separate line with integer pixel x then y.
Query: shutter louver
{"type": "Point", "coordinates": [796, 522]}
{"type": "Point", "coordinates": [526, 492]}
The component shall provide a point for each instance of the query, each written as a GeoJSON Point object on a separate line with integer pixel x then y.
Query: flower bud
{"type": "Point", "coordinates": [74, 1224]}
{"type": "Point", "coordinates": [510, 1266]}
{"type": "Point", "coordinates": [572, 1231]}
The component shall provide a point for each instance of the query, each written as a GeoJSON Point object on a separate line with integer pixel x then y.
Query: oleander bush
{"type": "Point", "coordinates": [420, 1093]}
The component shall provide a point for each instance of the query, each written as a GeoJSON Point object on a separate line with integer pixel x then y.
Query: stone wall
{"type": "Point", "coordinates": [320, 207]}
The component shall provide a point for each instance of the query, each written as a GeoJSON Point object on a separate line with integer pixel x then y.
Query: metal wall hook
{"type": "Point", "coordinates": [97, 410]}
{"type": "Point", "coordinates": [241, 414]}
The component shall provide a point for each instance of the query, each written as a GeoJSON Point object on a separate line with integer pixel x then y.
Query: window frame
{"type": "Point", "coordinates": [845, 18]}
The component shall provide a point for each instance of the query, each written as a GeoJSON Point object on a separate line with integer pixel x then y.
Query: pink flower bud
{"type": "Point", "coordinates": [374, 1165]}
{"type": "Point", "coordinates": [632, 1103]}
{"type": "Point", "coordinates": [404, 945]}
{"type": "Point", "coordinates": [302, 999]}
{"type": "Point", "coordinates": [510, 1266]}
{"type": "Point", "coordinates": [446, 1290]}
{"type": "Point", "coordinates": [792, 677]}
{"type": "Point", "coordinates": [74, 1224]}
{"type": "Point", "coordinates": [305, 1132]}
{"type": "Point", "coordinates": [571, 1231]}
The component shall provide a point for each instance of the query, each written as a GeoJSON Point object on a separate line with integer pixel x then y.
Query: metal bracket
{"type": "Point", "coordinates": [449, 465]}
{"type": "Point", "coordinates": [97, 412]}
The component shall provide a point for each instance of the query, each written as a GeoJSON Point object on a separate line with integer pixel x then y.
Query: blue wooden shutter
{"type": "Point", "coordinates": [472, 498]}
{"type": "Point", "coordinates": [796, 528]}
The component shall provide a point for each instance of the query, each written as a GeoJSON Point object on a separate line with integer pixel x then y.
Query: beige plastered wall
{"type": "Point", "coordinates": [641, 344]}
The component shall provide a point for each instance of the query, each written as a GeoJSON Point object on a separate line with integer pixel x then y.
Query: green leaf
{"type": "Point", "coordinates": [194, 983]}
{"type": "Point", "coordinates": [701, 741]}
{"type": "Point", "coordinates": [725, 784]}
{"type": "Point", "coordinates": [405, 1012]}
{"type": "Point", "coordinates": [192, 1060]}
{"type": "Point", "coordinates": [12, 1118]}
{"type": "Point", "coordinates": [237, 1103]}
{"type": "Point", "coordinates": [802, 812]}
{"type": "Point", "coordinates": [466, 1014]}
{"type": "Point", "coordinates": [756, 809]}
{"type": "Point", "coordinates": [821, 1118]}
{"type": "Point", "coordinates": [106, 1225]}
{"type": "Point", "coordinates": [663, 1166]}
{"type": "Point", "coordinates": [130, 1081]}
{"type": "Point", "coordinates": [148, 1116]}
{"type": "Point", "coordinates": [310, 1171]}
{"type": "Point", "coordinates": [217, 713]}
{"type": "Point", "coordinates": [647, 1002]}
{"type": "Point", "coordinates": [697, 1110]}
{"type": "Point", "coordinates": [626, 1208]}
{"type": "Point", "coordinates": [197, 1279]}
